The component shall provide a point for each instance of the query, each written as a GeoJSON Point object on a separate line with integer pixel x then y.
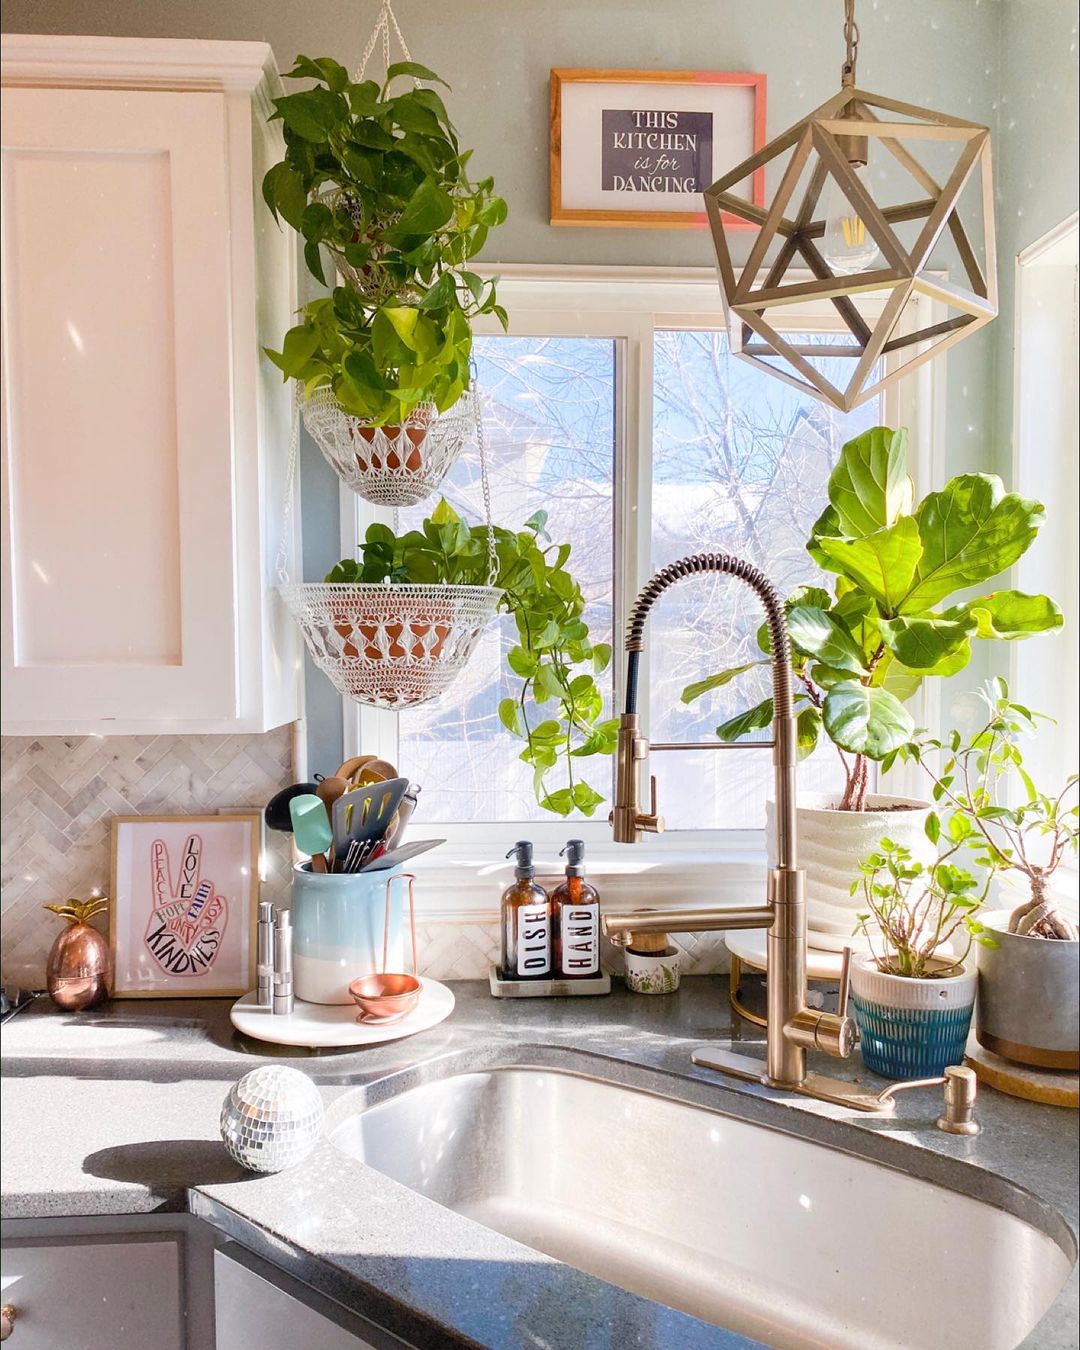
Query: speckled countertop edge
{"type": "Point", "coordinates": [116, 1112]}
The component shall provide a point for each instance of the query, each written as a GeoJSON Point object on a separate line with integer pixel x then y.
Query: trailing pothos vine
{"type": "Point", "coordinates": [558, 708]}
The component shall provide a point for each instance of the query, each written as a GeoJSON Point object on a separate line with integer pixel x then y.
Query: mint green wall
{"type": "Point", "coordinates": [1008, 63]}
{"type": "Point", "coordinates": [1037, 161]}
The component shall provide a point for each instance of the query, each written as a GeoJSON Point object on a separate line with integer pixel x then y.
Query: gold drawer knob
{"type": "Point", "coordinates": [7, 1320]}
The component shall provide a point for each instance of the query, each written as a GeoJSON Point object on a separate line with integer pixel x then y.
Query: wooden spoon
{"type": "Point", "coordinates": [375, 771]}
{"type": "Point", "coordinates": [329, 790]}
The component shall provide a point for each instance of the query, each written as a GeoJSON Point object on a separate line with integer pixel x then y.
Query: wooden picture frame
{"type": "Point", "coordinates": [593, 109]}
{"type": "Point", "coordinates": [185, 902]}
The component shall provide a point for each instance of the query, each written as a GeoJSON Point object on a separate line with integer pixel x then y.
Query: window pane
{"type": "Point", "coordinates": [740, 465]}
{"type": "Point", "coordinates": [550, 428]}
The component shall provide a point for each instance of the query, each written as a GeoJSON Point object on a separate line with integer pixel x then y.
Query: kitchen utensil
{"type": "Point", "coordinates": [404, 814]}
{"type": "Point", "coordinates": [365, 814]}
{"type": "Point", "coordinates": [276, 812]}
{"type": "Point", "coordinates": [389, 995]}
{"type": "Point", "coordinates": [264, 955]}
{"type": "Point", "coordinates": [311, 827]}
{"type": "Point", "coordinates": [282, 1004]}
{"type": "Point", "coordinates": [382, 998]}
{"type": "Point", "coordinates": [350, 767]}
{"type": "Point", "coordinates": [393, 857]}
{"type": "Point", "coordinates": [329, 790]}
{"type": "Point", "coordinates": [375, 771]}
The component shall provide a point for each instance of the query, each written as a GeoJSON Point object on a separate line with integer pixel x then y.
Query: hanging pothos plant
{"type": "Point", "coordinates": [377, 178]}
{"type": "Point", "coordinates": [558, 708]}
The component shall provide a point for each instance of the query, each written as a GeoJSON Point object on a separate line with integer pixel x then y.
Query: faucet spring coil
{"type": "Point", "coordinates": [698, 564]}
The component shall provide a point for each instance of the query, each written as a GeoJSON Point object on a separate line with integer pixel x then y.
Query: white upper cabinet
{"type": "Point", "coordinates": [145, 435]}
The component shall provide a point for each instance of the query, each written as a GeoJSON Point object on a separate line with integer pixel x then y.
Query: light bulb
{"type": "Point", "coordinates": [848, 245]}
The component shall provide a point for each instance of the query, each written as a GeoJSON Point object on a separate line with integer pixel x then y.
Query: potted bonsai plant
{"type": "Point", "coordinates": [862, 645]}
{"type": "Point", "coordinates": [912, 993]}
{"type": "Point", "coordinates": [1029, 1008]}
{"type": "Point", "coordinates": [379, 632]}
{"type": "Point", "coordinates": [375, 175]}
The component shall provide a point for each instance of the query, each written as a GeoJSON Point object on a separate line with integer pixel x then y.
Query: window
{"type": "Point", "coordinates": [616, 405]}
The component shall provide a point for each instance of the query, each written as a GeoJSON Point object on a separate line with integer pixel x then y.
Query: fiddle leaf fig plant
{"type": "Point", "coordinates": [558, 708]}
{"type": "Point", "coordinates": [375, 175]}
{"type": "Point", "coordinates": [892, 615]}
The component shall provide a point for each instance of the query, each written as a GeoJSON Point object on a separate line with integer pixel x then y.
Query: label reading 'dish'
{"type": "Point", "coordinates": [534, 940]}
{"type": "Point", "coordinates": [579, 927]}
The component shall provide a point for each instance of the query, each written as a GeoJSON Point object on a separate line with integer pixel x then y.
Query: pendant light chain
{"type": "Point", "coordinates": [851, 42]}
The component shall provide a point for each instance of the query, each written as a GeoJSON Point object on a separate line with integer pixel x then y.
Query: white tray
{"type": "Point", "coordinates": [321, 1025]}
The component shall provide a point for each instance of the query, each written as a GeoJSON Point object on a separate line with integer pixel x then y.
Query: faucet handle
{"type": "Point", "coordinates": [652, 820]}
{"type": "Point", "coordinates": [845, 984]}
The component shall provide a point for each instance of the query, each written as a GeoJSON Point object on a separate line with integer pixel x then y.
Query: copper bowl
{"type": "Point", "coordinates": [384, 998]}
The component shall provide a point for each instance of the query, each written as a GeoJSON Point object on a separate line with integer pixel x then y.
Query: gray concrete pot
{"type": "Point", "coordinates": [1029, 998]}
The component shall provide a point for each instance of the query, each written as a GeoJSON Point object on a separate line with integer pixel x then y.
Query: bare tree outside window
{"type": "Point", "coordinates": [740, 463]}
{"type": "Point", "coordinates": [550, 427]}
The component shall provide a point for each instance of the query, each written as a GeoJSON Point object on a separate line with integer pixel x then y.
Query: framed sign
{"type": "Point", "coordinates": [185, 901]}
{"type": "Point", "coordinates": [639, 147]}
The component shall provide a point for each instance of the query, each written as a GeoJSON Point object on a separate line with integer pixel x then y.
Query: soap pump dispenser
{"type": "Point", "coordinates": [577, 919]}
{"type": "Point", "coordinates": [526, 921]}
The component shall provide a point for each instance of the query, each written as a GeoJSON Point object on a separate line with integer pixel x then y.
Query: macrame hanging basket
{"type": "Point", "coordinates": [391, 646]}
{"type": "Point", "coordinates": [390, 465]}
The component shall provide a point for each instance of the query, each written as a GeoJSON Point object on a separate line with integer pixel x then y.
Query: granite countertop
{"type": "Point", "coordinates": [116, 1111]}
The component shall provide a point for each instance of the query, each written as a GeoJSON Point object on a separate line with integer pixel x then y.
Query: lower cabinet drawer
{"type": "Point", "coordinates": [123, 1294]}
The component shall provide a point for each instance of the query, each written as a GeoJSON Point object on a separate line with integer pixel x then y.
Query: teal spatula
{"type": "Point", "coordinates": [311, 829]}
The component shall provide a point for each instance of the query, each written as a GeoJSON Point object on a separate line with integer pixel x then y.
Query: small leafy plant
{"type": "Point", "coordinates": [375, 174]}
{"type": "Point", "coordinates": [863, 647]}
{"type": "Point", "coordinates": [1030, 840]}
{"type": "Point", "coordinates": [914, 910]}
{"type": "Point", "coordinates": [558, 711]}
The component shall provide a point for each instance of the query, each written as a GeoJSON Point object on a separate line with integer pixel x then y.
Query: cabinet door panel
{"type": "Point", "coordinates": [249, 1312]}
{"type": "Point", "coordinates": [88, 1295]}
{"type": "Point", "coordinates": [119, 514]}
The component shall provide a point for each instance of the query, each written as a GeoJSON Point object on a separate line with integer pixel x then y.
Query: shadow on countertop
{"type": "Point", "coordinates": [167, 1168]}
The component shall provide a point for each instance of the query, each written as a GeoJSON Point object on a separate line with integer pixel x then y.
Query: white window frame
{"type": "Point", "coordinates": [630, 304]}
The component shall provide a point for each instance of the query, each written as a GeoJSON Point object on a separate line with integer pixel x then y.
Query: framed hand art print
{"type": "Point", "coordinates": [185, 900]}
{"type": "Point", "coordinates": [639, 147]}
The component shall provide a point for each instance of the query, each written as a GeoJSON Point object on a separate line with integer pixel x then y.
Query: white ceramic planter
{"type": "Point", "coordinates": [831, 844]}
{"type": "Point", "coordinates": [1029, 1005]}
{"type": "Point", "coordinates": [911, 1028]}
{"type": "Point", "coordinates": [653, 972]}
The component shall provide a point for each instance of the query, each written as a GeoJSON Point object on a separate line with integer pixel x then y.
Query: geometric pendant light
{"type": "Point", "coordinates": [827, 234]}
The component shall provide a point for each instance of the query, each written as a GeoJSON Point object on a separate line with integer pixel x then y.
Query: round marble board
{"type": "Point", "coordinates": [323, 1025]}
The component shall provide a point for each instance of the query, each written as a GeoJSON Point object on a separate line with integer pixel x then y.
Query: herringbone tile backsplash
{"type": "Point", "coordinates": [60, 792]}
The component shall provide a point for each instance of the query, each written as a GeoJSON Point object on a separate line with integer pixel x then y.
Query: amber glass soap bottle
{"type": "Point", "coordinates": [526, 921]}
{"type": "Point", "coordinates": [577, 919]}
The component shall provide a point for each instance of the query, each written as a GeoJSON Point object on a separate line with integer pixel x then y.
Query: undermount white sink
{"type": "Point", "coordinates": [787, 1241]}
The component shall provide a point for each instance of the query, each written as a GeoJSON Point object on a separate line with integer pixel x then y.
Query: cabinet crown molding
{"type": "Point", "coordinates": [45, 60]}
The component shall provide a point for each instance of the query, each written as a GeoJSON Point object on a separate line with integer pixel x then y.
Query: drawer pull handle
{"type": "Point", "coordinates": [7, 1320]}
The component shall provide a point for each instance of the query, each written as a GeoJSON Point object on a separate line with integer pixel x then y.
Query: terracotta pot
{"type": "Point", "coordinates": [414, 437]}
{"type": "Point", "coordinates": [79, 971]}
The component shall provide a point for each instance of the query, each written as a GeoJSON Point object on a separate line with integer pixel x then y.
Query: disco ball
{"type": "Point", "coordinates": [272, 1118]}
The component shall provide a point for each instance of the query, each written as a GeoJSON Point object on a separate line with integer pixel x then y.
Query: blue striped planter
{"type": "Point", "coordinates": [911, 1028]}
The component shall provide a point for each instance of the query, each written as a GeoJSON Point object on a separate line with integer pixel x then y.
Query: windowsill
{"type": "Point", "coordinates": [462, 882]}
